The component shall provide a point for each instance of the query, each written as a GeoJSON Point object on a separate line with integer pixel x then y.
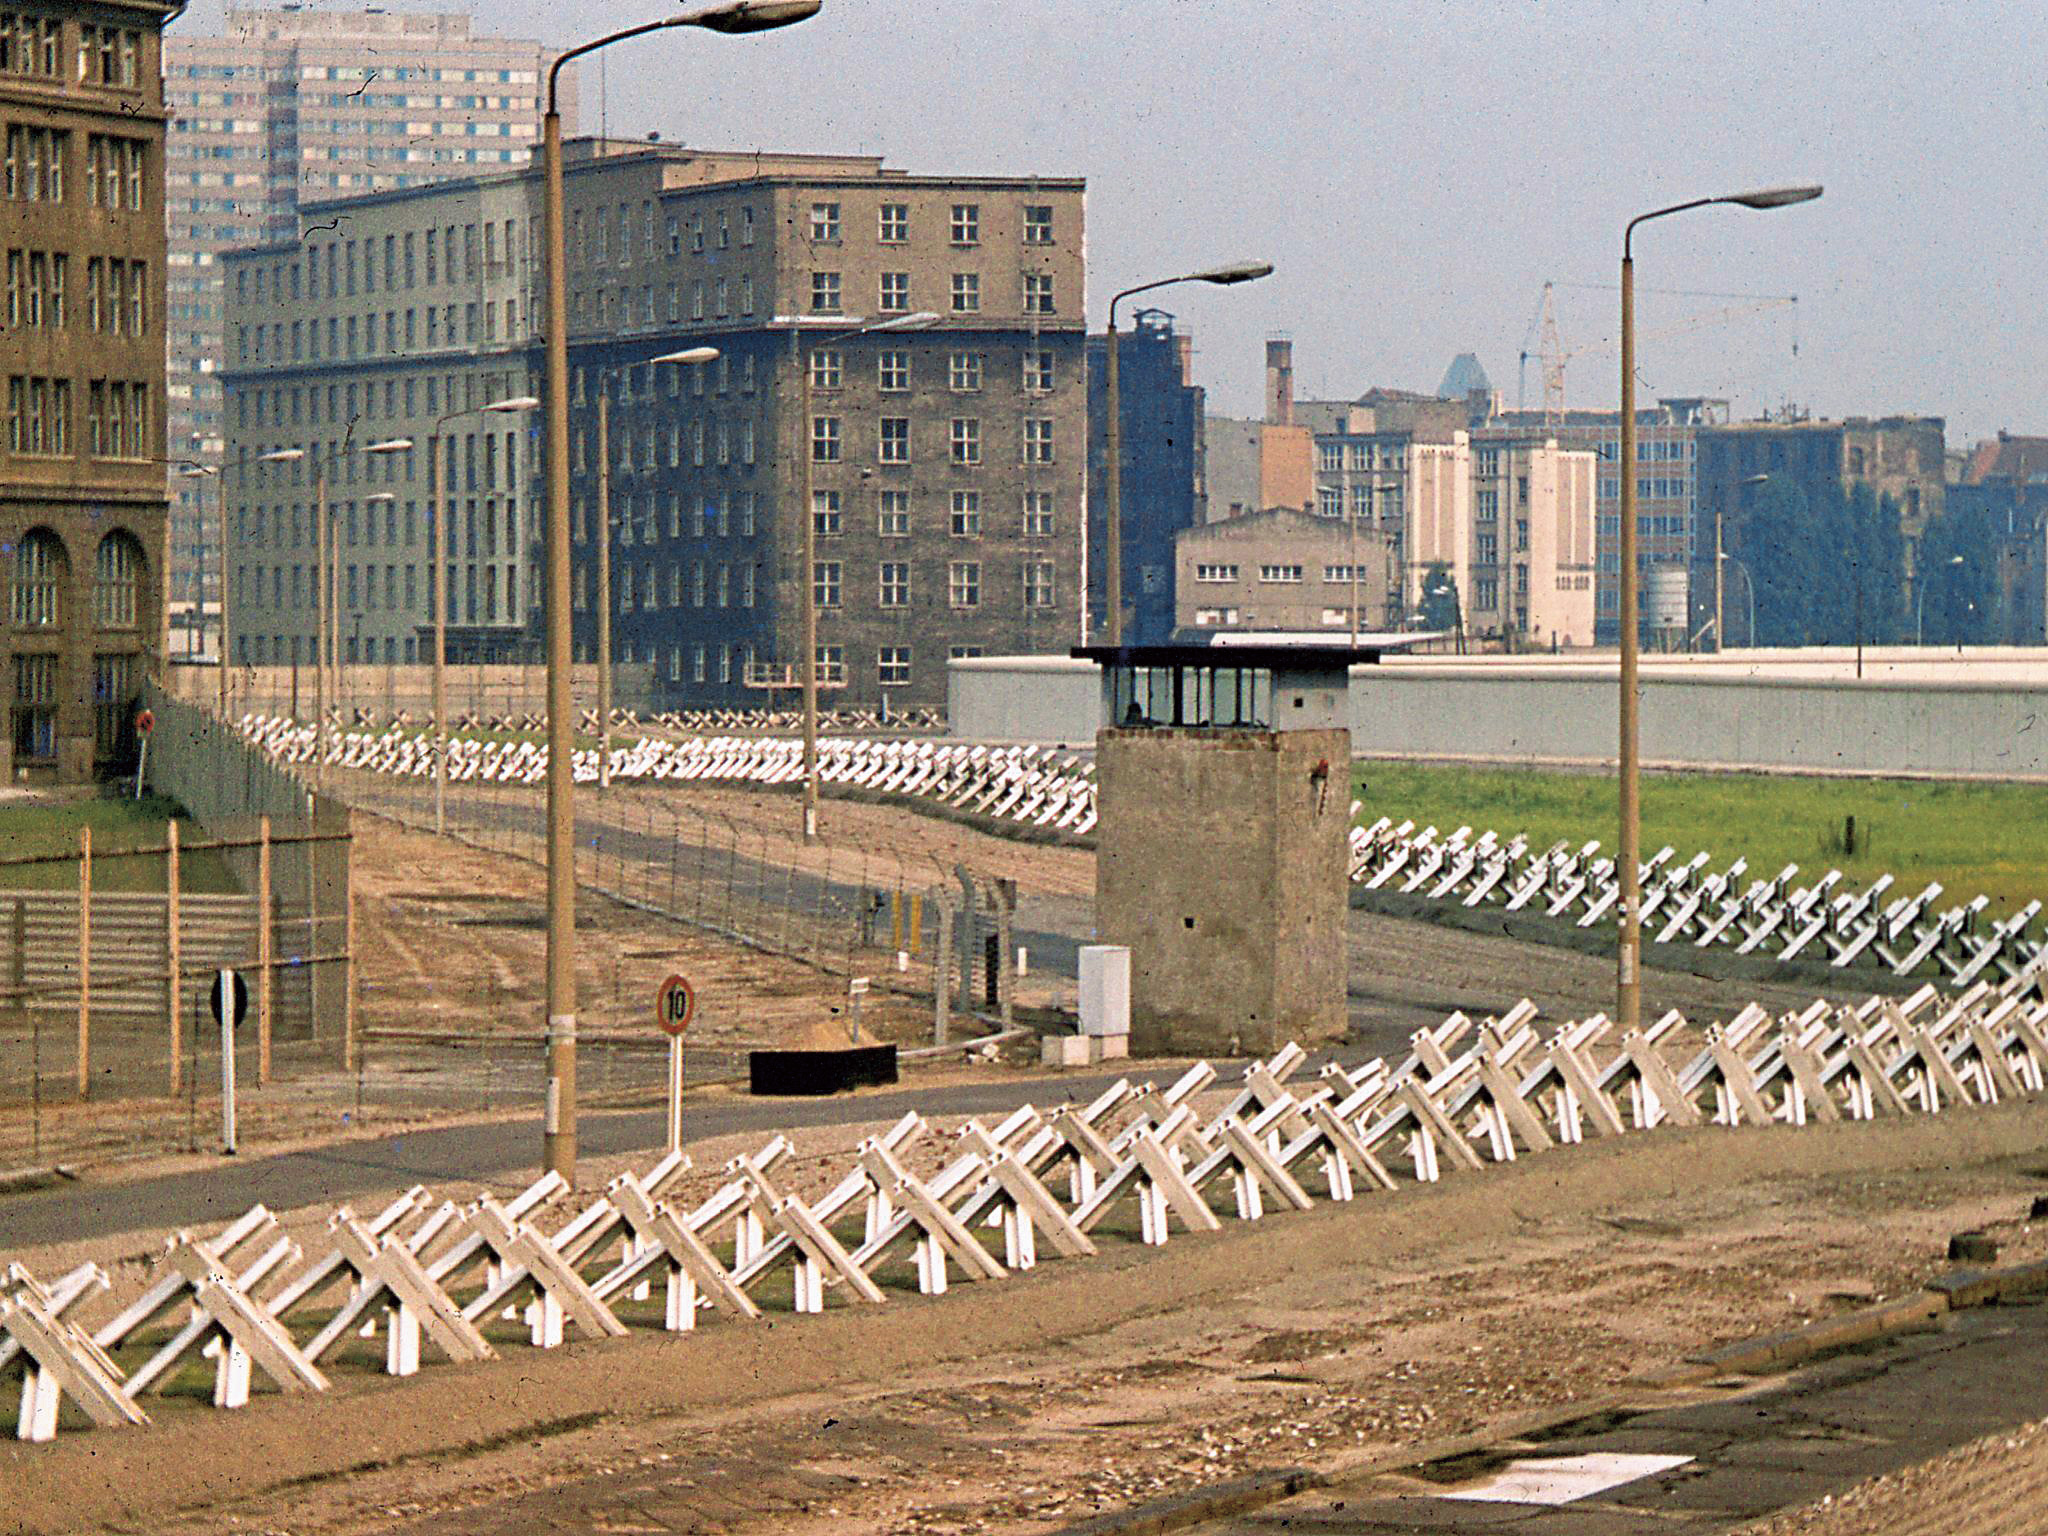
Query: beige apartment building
{"type": "Point", "coordinates": [1284, 570]}
{"type": "Point", "coordinates": [289, 106]}
{"type": "Point", "coordinates": [941, 466]}
{"type": "Point", "coordinates": [81, 466]}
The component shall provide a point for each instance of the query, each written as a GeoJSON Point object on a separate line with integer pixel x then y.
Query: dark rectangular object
{"type": "Point", "coordinates": [816, 1073]}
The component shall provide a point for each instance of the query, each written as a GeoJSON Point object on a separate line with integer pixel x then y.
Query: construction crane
{"type": "Point", "coordinates": [1552, 353]}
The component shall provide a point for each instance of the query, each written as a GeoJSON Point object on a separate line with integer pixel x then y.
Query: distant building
{"type": "Point", "coordinates": [1998, 516]}
{"type": "Point", "coordinates": [82, 499]}
{"type": "Point", "coordinates": [1284, 570]}
{"type": "Point", "coordinates": [941, 467]}
{"type": "Point", "coordinates": [289, 106]}
{"type": "Point", "coordinates": [1256, 465]}
{"type": "Point", "coordinates": [1163, 466]}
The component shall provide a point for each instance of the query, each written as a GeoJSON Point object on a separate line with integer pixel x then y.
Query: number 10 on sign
{"type": "Point", "coordinates": [674, 1006]}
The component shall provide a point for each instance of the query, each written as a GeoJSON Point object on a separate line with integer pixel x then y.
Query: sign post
{"type": "Point", "coordinates": [674, 1006]}
{"type": "Point", "coordinates": [145, 722]}
{"type": "Point", "coordinates": [228, 997]}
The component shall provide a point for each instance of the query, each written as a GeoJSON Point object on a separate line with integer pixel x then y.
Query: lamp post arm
{"type": "Point", "coordinates": [1628, 233]}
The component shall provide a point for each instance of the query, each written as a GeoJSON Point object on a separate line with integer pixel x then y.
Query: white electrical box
{"type": "Point", "coordinates": [1105, 989]}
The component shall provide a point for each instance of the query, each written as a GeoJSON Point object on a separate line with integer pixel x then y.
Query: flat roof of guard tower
{"type": "Point", "coordinates": [1289, 658]}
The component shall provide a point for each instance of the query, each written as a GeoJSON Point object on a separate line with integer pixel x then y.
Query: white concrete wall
{"type": "Point", "coordinates": [1912, 713]}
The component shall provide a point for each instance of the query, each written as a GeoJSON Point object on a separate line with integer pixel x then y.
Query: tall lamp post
{"type": "Point", "coordinates": [1113, 432]}
{"type": "Point", "coordinates": [918, 321]}
{"type": "Point", "coordinates": [1920, 607]}
{"type": "Point", "coordinates": [1720, 633]}
{"type": "Point", "coordinates": [323, 595]}
{"type": "Point", "coordinates": [604, 550]}
{"type": "Point", "coordinates": [1628, 1010]}
{"type": "Point", "coordinates": [193, 470]}
{"type": "Point", "coordinates": [438, 578]}
{"type": "Point", "coordinates": [1749, 591]}
{"type": "Point", "coordinates": [558, 1140]}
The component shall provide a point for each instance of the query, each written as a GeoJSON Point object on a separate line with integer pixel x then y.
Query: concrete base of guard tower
{"type": "Point", "coordinates": [1221, 846]}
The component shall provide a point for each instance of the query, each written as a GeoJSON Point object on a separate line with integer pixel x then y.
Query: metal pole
{"type": "Point", "coordinates": [675, 1093]}
{"type": "Point", "coordinates": [558, 1142]}
{"type": "Point", "coordinates": [263, 943]}
{"type": "Point", "coordinates": [221, 503]}
{"type": "Point", "coordinates": [84, 961]}
{"type": "Point", "coordinates": [1628, 988]}
{"type": "Point", "coordinates": [1113, 490]}
{"type": "Point", "coordinates": [319, 621]}
{"type": "Point", "coordinates": [1720, 634]}
{"type": "Point", "coordinates": [173, 957]}
{"type": "Point", "coordinates": [604, 587]}
{"type": "Point", "coordinates": [1856, 564]}
{"type": "Point", "coordinates": [808, 453]}
{"type": "Point", "coordinates": [225, 995]}
{"type": "Point", "coordinates": [440, 579]}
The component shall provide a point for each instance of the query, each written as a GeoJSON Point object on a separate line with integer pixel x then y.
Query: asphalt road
{"type": "Point", "coordinates": [502, 1155]}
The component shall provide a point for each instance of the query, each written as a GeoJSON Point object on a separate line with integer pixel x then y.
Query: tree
{"type": "Point", "coordinates": [1439, 598]}
{"type": "Point", "coordinates": [1958, 603]}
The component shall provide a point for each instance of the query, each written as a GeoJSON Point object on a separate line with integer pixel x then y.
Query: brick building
{"type": "Point", "coordinates": [82, 502]}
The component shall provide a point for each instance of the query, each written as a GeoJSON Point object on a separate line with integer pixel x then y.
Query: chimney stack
{"type": "Point", "coordinates": [1279, 381]}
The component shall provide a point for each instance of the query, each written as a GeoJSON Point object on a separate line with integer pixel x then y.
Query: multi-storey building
{"type": "Point", "coordinates": [1163, 454]}
{"type": "Point", "coordinates": [898, 358]}
{"type": "Point", "coordinates": [82, 498]}
{"type": "Point", "coordinates": [291, 106]}
{"type": "Point", "coordinates": [1285, 570]}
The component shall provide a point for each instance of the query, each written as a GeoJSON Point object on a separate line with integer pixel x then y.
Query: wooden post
{"type": "Point", "coordinates": [173, 955]}
{"type": "Point", "coordinates": [262, 951]}
{"type": "Point", "coordinates": [84, 961]}
{"type": "Point", "coordinates": [348, 951]}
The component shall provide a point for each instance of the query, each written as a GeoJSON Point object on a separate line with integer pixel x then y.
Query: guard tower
{"type": "Point", "coordinates": [1223, 797]}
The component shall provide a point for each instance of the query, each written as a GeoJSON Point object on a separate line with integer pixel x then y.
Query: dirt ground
{"type": "Point", "coordinates": [1319, 1338]}
{"type": "Point", "coordinates": [1997, 1486]}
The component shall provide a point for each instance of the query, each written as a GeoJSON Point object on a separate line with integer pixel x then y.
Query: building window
{"type": "Point", "coordinates": [824, 440]}
{"type": "Point", "coordinates": [1280, 573]}
{"type": "Point", "coordinates": [963, 372]}
{"type": "Point", "coordinates": [1038, 521]}
{"type": "Point", "coordinates": [825, 293]}
{"type": "Point", "coordinates": [892, 515]}
{"type": "Point", "coordinates": [1038, 440]}
{"type": "Point", "coordinates": [117, 578]}
{"type": "Point", "coordinates": [1038, 293]}
{"type": "Point", "coordinates": [825, 222]}
{"type": "Point", "coordinates": [825, 514]}
{"type": "Point", "coordinates": [895, 440]}
{"type": "Point", "coordinates": [1329, 501]}
{"type": "Point", "coordinates": [830, 664]}
{"type": "Point", "coordinates": [966, 440]}
{"type": "Point", "coordinates": [892, 370]}
{"type": "Point", "coordinates": [894, 223]}
{"type": "Point", "coordinates": [895, 293]}
{"type": "Point", "coordinates": [963, 584]}
{"type": "Point", "coordinates": [892, 584]}
{"type": "Point", "coordinates": [825, 368]}
{"type": "Point", "coordinates": [1215, 573]}
{"type": "Point", "coordinates": [1329, 457]}
{"type": "Point", "coordinates": [35, 706]}
{"type": "Point", "coordinates": [1038, 374]}
{"type": "Point", "coordinates": [892, 666]}
{"type": "Point", "coordinates": [115, 684]}
{"type": "Point", "coordinates": [38, 576]}
{"type": "Point", "coordinates": [824, 584]}
{"type": "Point", "coordinates": [1038, 588]}
{"type": "Point", "coordinates": [1038, 224]}
{"type": "Point", "coordinates": [966, 293]}
{"type": "Point", "coordinates": [966, 523]}
{"type": "Point", "coordinates": [966, 223]}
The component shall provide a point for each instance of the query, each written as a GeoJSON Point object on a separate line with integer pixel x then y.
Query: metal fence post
{"type": "Point", "coordinates": [942, 984]}
{"type": "Point", "coordinates": [84, 961]}
{"type": "Point", "coordinates": [262, 950]}
{"type": "Point", "coordinates": [173, 952]}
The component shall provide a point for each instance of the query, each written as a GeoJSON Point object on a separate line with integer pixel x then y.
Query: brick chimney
{"type": "Point", "coordinates": [1279, 381]}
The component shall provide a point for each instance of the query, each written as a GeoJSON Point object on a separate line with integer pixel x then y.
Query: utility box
{"type": "Point", "coordinates": [1223, 809]}
{"type": "Point", "coordinates": [1105, 989]}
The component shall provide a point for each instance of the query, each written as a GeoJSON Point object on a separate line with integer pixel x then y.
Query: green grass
{"type": "Point", "coordinates": [1975, 838]}
{"type": "Point", "coordinates": [49, 832]}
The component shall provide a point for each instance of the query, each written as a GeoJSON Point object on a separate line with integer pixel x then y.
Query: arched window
{"type": "Point", "coordinates": [117, 579]}
{"type": "Point", "coordinates": [38, 575]}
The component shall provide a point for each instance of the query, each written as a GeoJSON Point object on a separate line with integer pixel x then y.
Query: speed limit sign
{"type": "Point", "coordinates": [674, 1005]}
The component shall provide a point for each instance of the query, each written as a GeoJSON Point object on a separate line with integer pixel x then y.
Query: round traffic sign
{"type": "Point", "coordinates": [145, 722]}
{"type": "Point", "coordinates": [228, 997]}
{"type": "Point", "coordinates": [674, 1005]}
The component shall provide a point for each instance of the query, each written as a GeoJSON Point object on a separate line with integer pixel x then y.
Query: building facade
{"type": "Point", "coordinates": [296, 106]}
{"type": "Point", "coordinates": [1163, 454]}
{"type": "Point", "coordinates": [82, 502]}
{"type": "Point", "coordinates": [1287, 571]}
{"type": "Point", "coordinates": [941, 465]}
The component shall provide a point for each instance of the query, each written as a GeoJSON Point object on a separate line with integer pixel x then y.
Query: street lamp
{"type": "Point", "coordinates": [1628, 1010]}
{"type": "Point", "coordinates": [919, 320]}
{"type": "Point", "coordinates": [1748, 587]}
{"type": "Point", "coordinates": [559, 1126]}
{"type": "Point", "coordinates": [325, 642]}
{"type": "Point", "coordinates": [193, 470]}
{"type": "Point", "coordinates": [1112, 444]}
{"type": "Point", "coordinates": [1920, 607]}
{"type": "Point", "coordinates": [604, 551]}
{"type": "Point", "coordinates": [1720, 505]}
{"type": "Point", "coordinates": [438, 577]}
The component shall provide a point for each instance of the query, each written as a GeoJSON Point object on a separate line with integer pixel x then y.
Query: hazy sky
{"type": "Point", "coordinates": [1417, 170]}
